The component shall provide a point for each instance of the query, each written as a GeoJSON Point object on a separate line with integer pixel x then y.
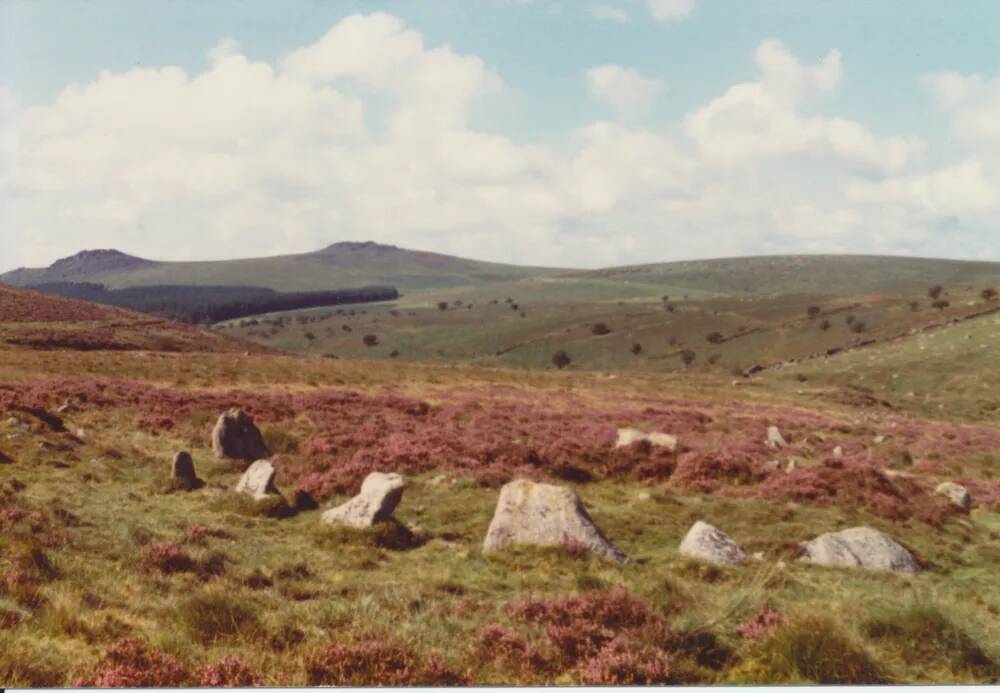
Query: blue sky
{"type": "Point", "coordinates": [906, 76]}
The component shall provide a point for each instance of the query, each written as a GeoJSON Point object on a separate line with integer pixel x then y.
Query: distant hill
{"type": "Point", "coordinates": [356, 264]}
{"type": "Point", "coordinates": [802, 274]}
{"type": "Point", "coordinates": [339, 266]}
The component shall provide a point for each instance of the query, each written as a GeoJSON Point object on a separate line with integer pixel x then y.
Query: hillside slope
{"type": "Point", "coordinates": [41, 322]}
{"type": "Point", "coordinates": [803, 274]}
{"type": "Point", "coordinates": [339, 266]}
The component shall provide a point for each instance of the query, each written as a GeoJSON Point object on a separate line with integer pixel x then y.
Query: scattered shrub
{"type": "Point", "coordinates": [377, 661]}
{"type": "Point", "coordinates": [813, 312]}
{"type": "Point", "coordinates": [167, 557]}
{"type": "Point", "coordinates": [763, 621]}
{"type": "Point", "coordinates": [989, 294]}
{"type": "Point", "coordinates": [600, 328]}
{"type": "Point", "coordinates": [935, 291]}
{"type": "Point", "coordinates": [623, 662]}
{"type": "Point", "coordinates": [370, 340]}
{"type": "Point", "coordinates": [133, 664]}
{"type": "Point", "coordinates": [940, 304]}
{"type": "Point", "coordinates": [688, 356]}
{"type": "Point", "coordinates": [561, 359]}
{"type": "Point", "coordinates": [229, 672]}
{"type": "Point", "coordinates": [636, 348]}
{"type": "Point", "coordinates": [825, 325]}
{"type": "Point", "coordinates": [715, 338]}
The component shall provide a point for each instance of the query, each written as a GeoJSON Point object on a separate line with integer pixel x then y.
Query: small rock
{"type": "Point", "coordinates": [838, 453]}
{"type": "Point", "coordinates": [236, 437]}
{"type": "Point", "coordinates": [878, 440]}
{"type": "Point", "coordinates": [258, 480]}
{"type": "Point", "coordinates": [708, 543]}
{"type": "Point", "coordinates": [545, 515]}
{"type": "Point", "coordinates": [628, 436]}
{"type": "Point", "coordinates": [860, 547]}
{"type": "Point", "coordinates": [774, 438]}
{"type": "Point", "coordinates": [644, 495]}
{"type": "Point", "coordinates": [182, 472]}
{"type": "Point", "coordinates": [791, 467]}
{"type": "Point", "coordinates": [776, 464]}
{"type": "Point", "coordinates": [438, 480]}
{"type": "Point", "coordinates": [957, 494]}
{"type": "Point", "coordinates": [380, 494]}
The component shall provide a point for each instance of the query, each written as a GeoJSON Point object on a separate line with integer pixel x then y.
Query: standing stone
{"type": "Point", "coordinates": [258, 480]}
{"type": "Point", "coordinates": [628, 436]}
{"type": "Point", "coordinates": [860, 547]}
{"type": "Point", "coordinates": [236, 437]}
{"type": "Point", "coordinates": [380, 494]}
{"type": "Point", "coordinates": [774, 438]}
{"type": "Point", "coordinates": [182, 472]}
{"type": "Point", "coordinates": [956, 493]}
{"type": "Point", "coordinates": [545, 515]}
{"type": "Point", "coordinates": [708, 543]}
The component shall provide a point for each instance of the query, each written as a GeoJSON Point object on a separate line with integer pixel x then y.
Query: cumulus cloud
{"type": "Point", "coordinates": [623, 89]}
{"type": "Point", "coordinates": [608, 13]}
{"type": "Point", "coordinates": [764, 118]}
{"type": "Point", "coordinates": [671, 10]}
{"type": "Point", "coordinates": [370, 133]}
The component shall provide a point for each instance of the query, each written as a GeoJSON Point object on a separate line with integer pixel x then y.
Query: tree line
{"type": "Point", "coordinates": [210, 304]}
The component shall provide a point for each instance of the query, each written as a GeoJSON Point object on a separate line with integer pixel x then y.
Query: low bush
{"type": "Point", "coordinates": [229, 672]}
{"type": "Point", "coordinates": [133, 664]}
{"type": "Point", "coordinates": [378, 661]}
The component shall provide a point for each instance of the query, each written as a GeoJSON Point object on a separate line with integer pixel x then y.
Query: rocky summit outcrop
{"type": "Point", "coordinates": [545, 515]}
{"type": "Point", "coordinates": [957, 494]}
{"type": "Point", "coordinates": [258, 481]}
{"type": "Point", "coordinates": [236, 437]}
{"type": "Point", "coordinates": [860, 547]}
{"type": "Point", "coordinates": [628, 436]}
{"type": "Point", "coordinates": [182, 474]}
{"type": "Point", "coordinates": [379, 496]}
{"type": "Point", "coordinates": [708, 543]}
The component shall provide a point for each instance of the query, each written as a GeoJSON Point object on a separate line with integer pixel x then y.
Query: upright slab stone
{"type": "Point", "coordinates": [182, 472]}
{"type": "Point", "coordinates": [377, 501]}
{"type": "Point", "coordinates": [258, 480]}
{"type": "Point", "coordinates": [708, 543]}
{"type": "Point", "coordinates": [860, 547]}
{"type": "Point", "coordinates": [545, 515]}
{"type": "Point", "coordinates": [236, 437]}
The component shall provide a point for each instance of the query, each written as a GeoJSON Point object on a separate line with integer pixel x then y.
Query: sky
{"type": "Point", "coordinates": [543, 132]}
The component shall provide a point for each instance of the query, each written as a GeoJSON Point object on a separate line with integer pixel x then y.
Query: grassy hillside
{"type": "Point", "coordinates": [45, 323]}
{"type": "Point", "coordinates": [523, 324]}
{"type": "Point", "coordinates": [804, 274]}
{"type": "Point", "coordinates": [952, 372]}
{"type": "Point", "coordinates": [108, 577]}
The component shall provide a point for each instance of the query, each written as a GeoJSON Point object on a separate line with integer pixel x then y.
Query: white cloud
{"type": "Point", "coordinates": [369, 133]}
{"type": "Point", "coordinates": [671, 10]}
{"type": "Point", "coordinates": [608, 13]}
{"type": "Point", "coordinates": [763, 119]}
{"type": "Point", "coordinates": [623, 89]}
